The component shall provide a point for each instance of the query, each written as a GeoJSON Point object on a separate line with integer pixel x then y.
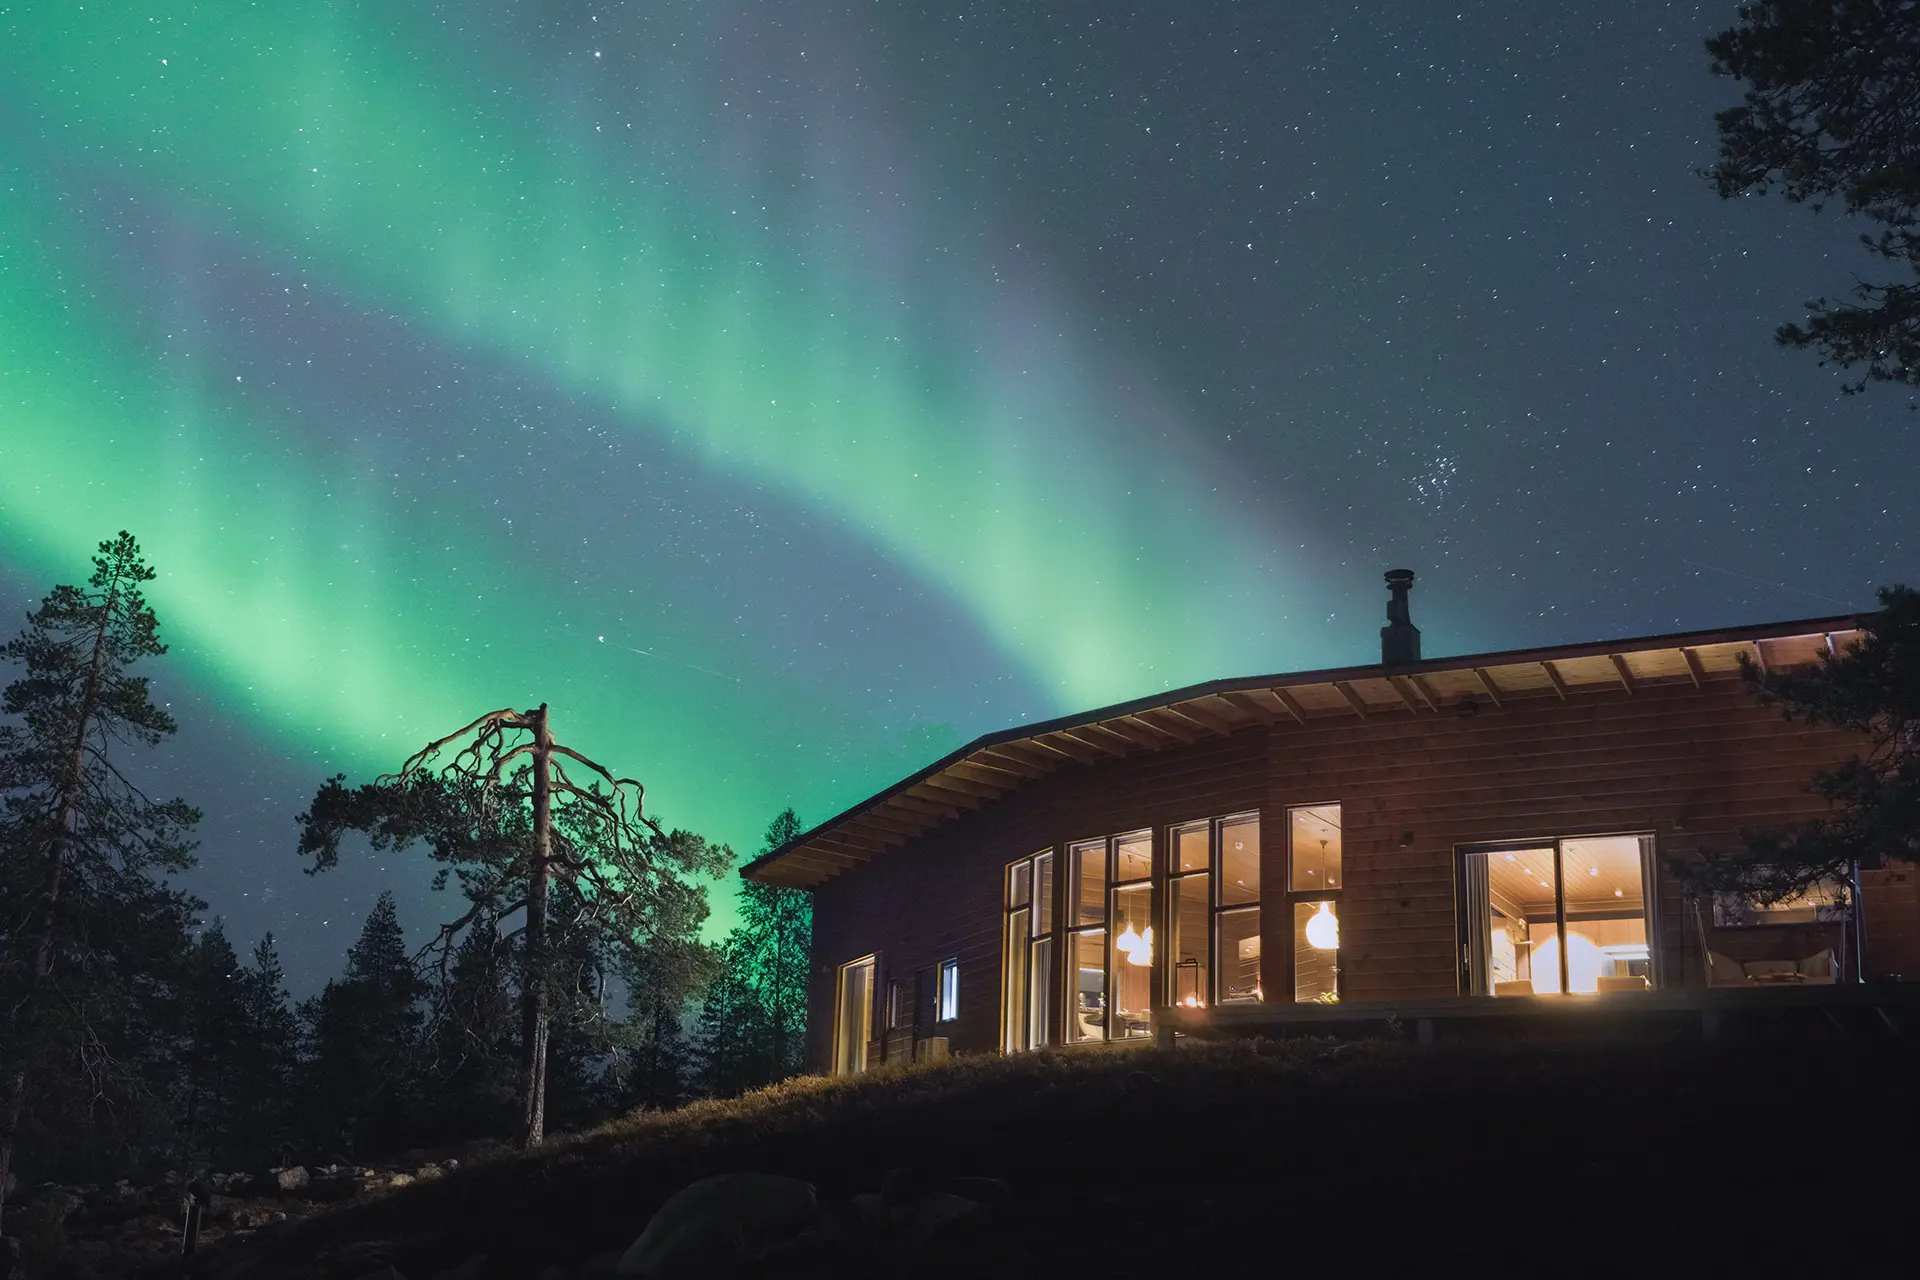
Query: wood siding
{"type": "Point", "coordinates": [1692, 766]}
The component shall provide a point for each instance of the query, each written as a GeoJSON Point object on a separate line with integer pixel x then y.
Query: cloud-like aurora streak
{"type": "Point", "coordinates": [1004, 477]}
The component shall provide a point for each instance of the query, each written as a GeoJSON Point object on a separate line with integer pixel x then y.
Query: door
{"type": "Point", "coordinates": [853, 1017]}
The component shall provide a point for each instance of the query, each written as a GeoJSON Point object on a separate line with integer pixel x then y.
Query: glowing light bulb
{"type": "Point", "coordinates": [1128, 941]}
{"type": "Point", "coordinates": [1323, 928]}
{"type": "Point", "coordinates": [1593, 871]}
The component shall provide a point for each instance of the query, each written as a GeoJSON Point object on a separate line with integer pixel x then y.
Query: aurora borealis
{"type": "Point", "coordinates": [872, 377]}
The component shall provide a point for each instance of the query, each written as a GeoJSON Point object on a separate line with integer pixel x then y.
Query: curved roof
{"type": "Point", "coordinates": [1000, 763]}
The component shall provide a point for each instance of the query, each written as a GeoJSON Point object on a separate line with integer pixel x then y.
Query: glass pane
{"type": "Point", "coordinates": [1133, 857]}
{"type": "Point", "coordinates": [1238, 958]}
{"type": "Point", "coordinates": [1019, 883]}
{"type": "Point", "coordinates": [1239, 861]}
{"type": "Point", "coordinates": [1013, 986]}
{"type": "Point", "coordinates": [1520, 907]}
{"type": "Point", "coordinates": [1089, 883]}
{"type": "Point", "coordinates": [1313, 837]}
{"type": "Point", "coordinates": [1187, 912]}
{"type": "Point", "coordinates": [949, 991]}
{"type": "Point", "coordinates": [1043, 894]}
{"type": "Point", "coordinates": [1087, 1015]}
{"type": "Point", "coordinates": [1606, 915]}
{"type": "Point", "coordinates": [1191, 845]}
{"type": "Point", "coordinates": [1316, 956]}
{"type": "Point", "coordinates": [1132, 961]}
{"type": "Point", "coordinates": [1040, 999]}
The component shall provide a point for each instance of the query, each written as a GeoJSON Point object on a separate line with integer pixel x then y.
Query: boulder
{"type": "Point", "coordinates": [400, 1180]}
{"type": "Point", "coordinates": [292, 1179]}
{"type": "Point", "coordinates": [711, 1229]}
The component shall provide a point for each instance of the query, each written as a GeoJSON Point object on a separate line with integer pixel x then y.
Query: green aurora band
{"type": "Point", "coordinates": [954, 424]}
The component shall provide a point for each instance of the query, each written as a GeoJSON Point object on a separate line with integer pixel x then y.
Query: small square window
{"type": "Point", "coordinates": [949, 1006]}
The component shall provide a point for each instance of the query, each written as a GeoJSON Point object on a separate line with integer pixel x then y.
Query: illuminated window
{"type": "Point", "coordinates": [1213, 911]}
{"type": "Point", "coordinates": [1543, 917]}
{"type": "Point", "coordinates": [1026, 965]}
{"type": "Point", "coordinates": [1314, 881]}
{"type": "Point", "coordinates": [949, 997]}
{"type": "Point", "coordinates": [899, 1007]}
{"type": "Point", "coordinates": [1110, 943]}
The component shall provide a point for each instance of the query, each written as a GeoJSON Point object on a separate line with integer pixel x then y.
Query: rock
{"type": "Point", "coordinates": [472, 1269]}
{"type": "Point", "coordinates": [293, 1179]}
{"type": "Point", "coordinates": [400, 1180]}
{"type": "Point", "coordinates": [601, 1266]}
{"type": "Point", "coordinates": [426, 1171]}
{"type": "Point", "coordinates": [710, 1229]}
{"type": "Point", "coordinates": [450, 1164]}
{"type": "Point", "coordinates": [251, 1217]}
{"type": "Point", "coordinates": [941, 1213]}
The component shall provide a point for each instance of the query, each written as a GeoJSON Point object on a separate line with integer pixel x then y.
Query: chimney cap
{"type": "Point", "coordinates": [1399, 577]}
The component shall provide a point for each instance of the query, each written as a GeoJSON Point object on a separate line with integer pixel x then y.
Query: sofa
{"type": "Point", "coordinates": [1818, 969]}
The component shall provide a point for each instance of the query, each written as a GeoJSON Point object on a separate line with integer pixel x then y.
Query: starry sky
{"type": "Point", "coordinates": [789, 393]}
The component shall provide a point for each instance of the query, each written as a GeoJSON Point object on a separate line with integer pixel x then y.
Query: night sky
{"type": "Point", "coordinates": [787, 393]}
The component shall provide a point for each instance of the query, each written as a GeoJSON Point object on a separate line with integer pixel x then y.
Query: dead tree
{"type": "Point", "coordinates": [506, 811]}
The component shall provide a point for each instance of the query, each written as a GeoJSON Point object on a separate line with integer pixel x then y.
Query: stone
{"type": "Point", "coordinates": [710, 1229]}
{"type": "Point", "coordinates": [472, 1269]}
{"type": "Point", "coordinates": [251, 1217]}
{"type": "Point", "coordinates": [400, 1180]}
{"type": "Point", "coordinates": [426, 1171]}
{"type": "Point", "coordinates": [293, 1179]}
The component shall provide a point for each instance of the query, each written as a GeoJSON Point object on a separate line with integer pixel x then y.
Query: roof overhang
{"type": "Point", "coordinates": [1000, 763]}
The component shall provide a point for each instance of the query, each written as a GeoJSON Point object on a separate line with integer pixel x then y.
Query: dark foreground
{"type": "Point", "coordinates": [1786, 1151]}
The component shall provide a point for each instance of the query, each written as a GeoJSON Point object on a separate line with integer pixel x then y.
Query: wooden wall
{"type": "Point", "coordinates": [1692, 766]}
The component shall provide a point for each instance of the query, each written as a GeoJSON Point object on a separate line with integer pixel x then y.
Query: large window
{"type": "Point", "coordinates": [1027, 966]}
{"type": "Point", "coordinates": [1213, 911]}
{"type": "Point", "coordinates": [852, 1016]}
{"type": "Point", "coordinates": [1314, 880]}
{"type": "Point", "coordinates": [1543, 917]}
{"type": "Point", "coordinates": [1110, 936]}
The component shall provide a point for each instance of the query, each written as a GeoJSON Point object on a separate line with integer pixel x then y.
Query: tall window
{"type": "Point", "coordinates": [1213, 911]}
{"type": "Point", "coordinates": [1027, 967]}
{"type": "Point", "coordinates": [852, 1016]}
{"type": "Point", "coordinates": [1110, 937]}
{"type": "Point", "coordinates": [1314, 882]}
{"type": "Point", "coordinates": [948, 1006]}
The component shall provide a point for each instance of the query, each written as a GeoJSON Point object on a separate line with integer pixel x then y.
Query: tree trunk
{"type": "Point", "coordinates": [67, 806]}
{"type": "Point", "coordinates": [533, 990]}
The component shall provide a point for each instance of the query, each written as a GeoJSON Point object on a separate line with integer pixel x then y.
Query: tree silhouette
{"type": "Point", "coordinates": [505, 814]}
{"type": "Point", "coordinates": [85, 920]}
{"type": "Point", "coordinates": [1829, 114]}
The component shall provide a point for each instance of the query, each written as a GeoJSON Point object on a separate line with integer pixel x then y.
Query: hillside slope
{"type": "Point", "coordinates": [1548, 1156]}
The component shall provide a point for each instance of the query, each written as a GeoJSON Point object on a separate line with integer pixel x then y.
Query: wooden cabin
{"type": "Point", "coordinates": [1440, 833]}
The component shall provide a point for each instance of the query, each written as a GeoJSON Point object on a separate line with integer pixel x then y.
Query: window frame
{"type": "Point", "coordinates": [1294, 897]}
{"type": "Point", "coordinates": [943, 1010]}
{"type": "Point", "coordinates": [1109, 846]}
{"type": "Point", "coordinates": [1036, 937]}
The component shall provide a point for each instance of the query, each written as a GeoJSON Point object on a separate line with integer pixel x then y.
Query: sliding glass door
{"type": "Point", "coordinates": [853, 1016]}
{"type": "Point", "coordinates": [1569, 914]}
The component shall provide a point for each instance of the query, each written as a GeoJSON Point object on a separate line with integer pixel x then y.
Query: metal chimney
{"type": "Point", "coordinates": [1399, 639]}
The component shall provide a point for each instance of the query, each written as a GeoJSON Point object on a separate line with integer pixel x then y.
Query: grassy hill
{"type": "Point", "coordinates": [1537, 1157]}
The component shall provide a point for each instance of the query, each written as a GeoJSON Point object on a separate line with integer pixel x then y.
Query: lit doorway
{"type": "Point", "coordinates": [1571, 914]}
{"type": "Point", "coordinates": [853, 1017]}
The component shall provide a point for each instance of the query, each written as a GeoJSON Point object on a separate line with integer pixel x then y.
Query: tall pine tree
{"type": "Point", "coordinates": [87, 920]}
{"type": "Point", "coordinates": [364, 1056]}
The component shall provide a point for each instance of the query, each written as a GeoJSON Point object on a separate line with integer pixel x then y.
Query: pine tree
{"type": "Point", "coordinates": [265, 1060]}
{"type": "Point", "coordinates": [87, 921]}
{"type": "Point", "coordinates": [753, 1022]}
{"type": "Point", "coordinates": [363, 1029]}
{"type": "Point", "coordinates": [475, 1053]}
{"type": "Point", "coordinates": [1828, 116]}
{"type": "Point", "coordinates": [212, 1031]}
